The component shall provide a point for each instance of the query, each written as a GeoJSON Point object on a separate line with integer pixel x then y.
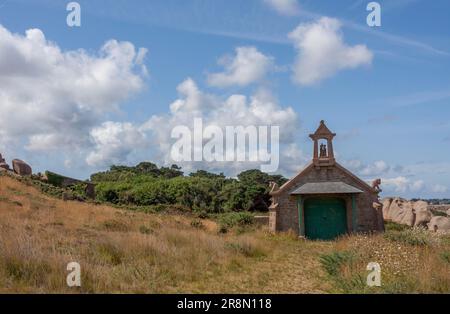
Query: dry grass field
{"type": "Point", "coordinates": [124, 251]}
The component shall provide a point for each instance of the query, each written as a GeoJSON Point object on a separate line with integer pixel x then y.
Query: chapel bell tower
{"type": "Point", "coordinates": [323, 154]}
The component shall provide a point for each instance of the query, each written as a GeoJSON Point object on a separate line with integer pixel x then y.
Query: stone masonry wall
{"type": "Point", "coordinates": [287, 212]}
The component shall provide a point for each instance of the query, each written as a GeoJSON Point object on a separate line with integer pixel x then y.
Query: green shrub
{"type": "Point", "coordinates": [145, 230]}
{"type": "Point", "coordinates": [148, 185]}
{"type": "Point", "coordinates": [392, 226]}
{"type": "Point", "coordinates": [54, 179]}
{"type": "Point", "coordinates": [232, 219]}
{"type": "Point", "coordinates": [203, 215]}
{"type": "Point", "coordinates": [446, 256]}
{"type": "Point", "coordinates": [32, 271]}
{"type": "Point", "coordinates": [115, 225]}
{"type": "Point", "coordinates": [78, 191]}
{"type": "Point", "coordinates": [113, 192]}
{"type": "Point", "coordinates": [222, 229]}
{"type": "Point", "coordinates": [415, 236]}
{"type": "Point", "coordinates": [197, 224]}
{"type": "Point", "coordinates": [109, 254]}
{"type": "Point", "coordinates": [438, 213]}
{"type": "Point", "coordinates": [246, 248]}
{"type": "Point", "coordinates": [46, 188]}
{"type": "Point", "coordinates": [333, 262]}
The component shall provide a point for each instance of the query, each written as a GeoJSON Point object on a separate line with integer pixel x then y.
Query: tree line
{"type": "Point", "coordinates": [146, 184]}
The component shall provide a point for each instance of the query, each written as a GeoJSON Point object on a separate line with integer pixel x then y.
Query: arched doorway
{"type": "Point", "coordinates": [325, 218]}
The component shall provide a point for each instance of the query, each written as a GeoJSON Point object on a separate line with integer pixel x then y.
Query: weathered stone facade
{"type": "Point", "coordinates": [363, 211]}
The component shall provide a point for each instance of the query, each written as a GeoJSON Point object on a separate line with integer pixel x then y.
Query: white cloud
{"type": "Point", "coordinates": [59, 100]}
{"type": "Point", "coordinates": [51, 99]}
{"type": "Point", "coordinates": [412, 180]}
{"type": "Point", "coordinates": [438, 188]}
{"type": "Point", "coordinates": [284, 7]}
{"type": "Point", "coordinates": [377, 168]}
{"type": "Point", "coordinates": [247, 66]}
{"type": "Point", "coordinates": [235, 110]}
{"type": "Point", "coordinates": [322, 51]}
{"type": "Point", "coordinates": [293, 160]}
{"type": "Point", "coordinates": [114, 142]}
{"type": "Point", "coordinates": [417, 185]}
{"type": "Point", "coordinates": [402, 184]}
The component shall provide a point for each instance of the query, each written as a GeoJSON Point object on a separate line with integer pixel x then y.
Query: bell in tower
{"type": "Point", "coordinates": [323, 155]}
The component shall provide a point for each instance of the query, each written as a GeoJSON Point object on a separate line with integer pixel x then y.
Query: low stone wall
{"type": "Point", "coordinates": [64, 182]}
{"type": "Point", "coordinates": [261, 220]}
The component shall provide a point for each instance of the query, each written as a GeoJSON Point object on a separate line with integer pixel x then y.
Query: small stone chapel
{"type": "Point", "coordinates": [325, 200]}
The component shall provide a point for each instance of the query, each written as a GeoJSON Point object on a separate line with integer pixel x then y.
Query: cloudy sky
{"type": "Point", "coordinates": [76, 100]}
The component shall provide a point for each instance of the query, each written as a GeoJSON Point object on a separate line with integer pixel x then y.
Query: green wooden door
{"type": "Point", "coordinates": [325, 218]}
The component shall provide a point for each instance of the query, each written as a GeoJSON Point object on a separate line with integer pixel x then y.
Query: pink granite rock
{"type": "Point", "coordinates": [21, 168]}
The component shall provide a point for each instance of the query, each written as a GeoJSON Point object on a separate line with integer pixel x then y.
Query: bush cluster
{"type": "Point", "coordinates": [148, 185]}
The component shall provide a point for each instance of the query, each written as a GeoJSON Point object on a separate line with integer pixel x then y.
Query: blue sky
{"type": "Point", "coordinates": [387, 100]}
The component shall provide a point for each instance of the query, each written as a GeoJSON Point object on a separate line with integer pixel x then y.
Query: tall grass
{"type": "Point", "coordinates": [118, 250]}
{"type": "Point", "coordinates": [411, 261]}
{"type": "Point", "coordinates": [412, 236]}
{"type": "Point", "coordinates": [130, 251]}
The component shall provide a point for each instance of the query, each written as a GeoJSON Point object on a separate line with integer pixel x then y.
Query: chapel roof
{"type": "Point", "coordinates": [337, 187]}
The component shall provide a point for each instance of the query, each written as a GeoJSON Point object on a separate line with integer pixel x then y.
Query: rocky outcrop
{"type": "Point", "coordinates": [423, 214]}
{"type": "Point", "coordinates": [439, 224]}
{"type": "Point", "coordinates": [413, 214]}
{"type": "Point", "coordinates": [3, 164]}
{"type": "Point", "coordinates": [405, 212]}
{"type": "Point", "coordinates": [386, 204]}
{"type": "Point", "coordinates": [439, 210]}
{"type": "Point", "coordinates": [21, 168]}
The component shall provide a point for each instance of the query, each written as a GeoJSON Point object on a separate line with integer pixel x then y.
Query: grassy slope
{"type": "Point", "coordinates": [126, 251]}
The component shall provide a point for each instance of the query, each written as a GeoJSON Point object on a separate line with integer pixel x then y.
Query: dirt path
{"type": "Point", "coordinates": [292, 266]}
